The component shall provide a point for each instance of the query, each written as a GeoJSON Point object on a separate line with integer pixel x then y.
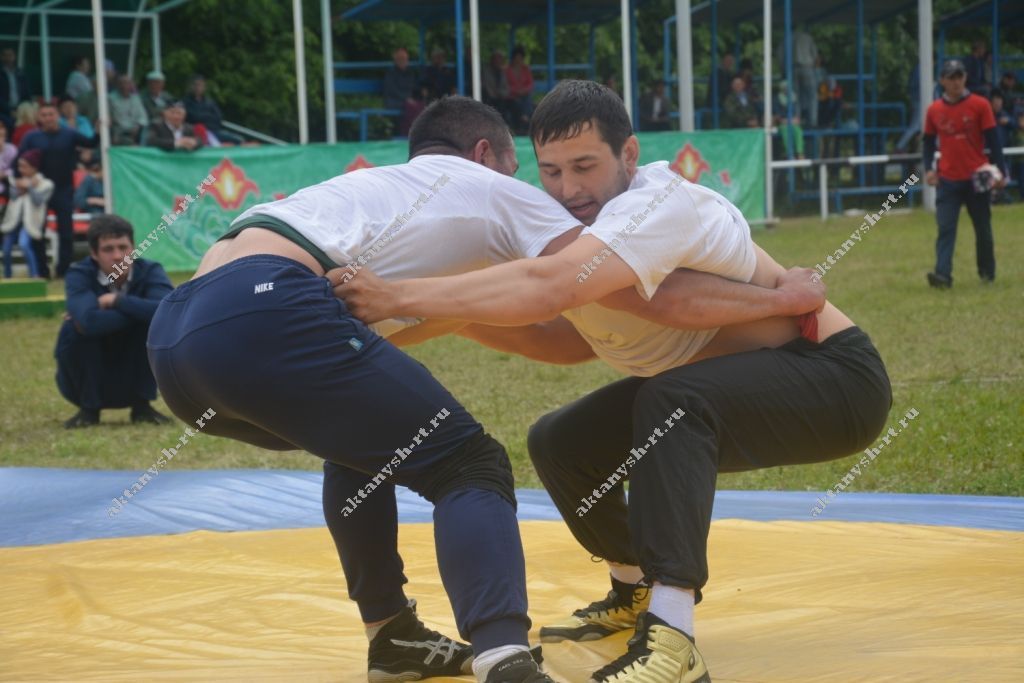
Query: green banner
{"type": "Point", "coordinates": [180, 203]}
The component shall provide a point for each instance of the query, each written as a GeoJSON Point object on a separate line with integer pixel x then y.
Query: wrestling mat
{"type": "Point", "coordinates": [231, 576]}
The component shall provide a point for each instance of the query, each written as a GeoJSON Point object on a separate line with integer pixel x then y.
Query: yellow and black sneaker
{"type": "Point", "coordinates": [657, 653]}
{"type": "Point", "coordinates": [617, 612]}
{"type": "Point", "coordinates": [406, 650]}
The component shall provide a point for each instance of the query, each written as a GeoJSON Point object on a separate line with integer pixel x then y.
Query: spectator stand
{"type": "Point", "coordinates": [875, 123]}
{"type": "Point", "coordinates": [522, 13]}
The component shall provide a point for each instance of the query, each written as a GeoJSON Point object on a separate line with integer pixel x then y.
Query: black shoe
{"type": "Point", "coordinates": [83, 418]}
{"type": "Point", "coordinates": [145, 414]}
{"type": "Point", "coordinates": [940, 281]}
{"type": "Point", "coordinates": [518, 668]}
{"type": "Point", "coordinates": [406, 650]}
{"type": "Point", "coordinates": [988, 279]}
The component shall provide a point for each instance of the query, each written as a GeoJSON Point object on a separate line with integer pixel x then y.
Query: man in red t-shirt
{"type": "Point", "coordinates": [965, 126]}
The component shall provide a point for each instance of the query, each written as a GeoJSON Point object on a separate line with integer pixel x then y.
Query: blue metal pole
{"type": "Point", "coordinates": [593, 53]}
{"type": "Point", "coordinates": [715, 98]}
{"type": "Point", "coordinates": [460, 69]}
{"type": "Point", "coordinates": [511, 39]}
{"type": "Point", "coordinates": [877, 172]}
{"type": "Point", "coordinates": [551, 44]}
{"type": "Point", "coordinates": [942, 48]}
{"type": "Point", "coordinates": [787, 38]}
{"type": "Point", "coordinates": [633, 62]}
{"type": "Point", "coordinates": [995, 42]}
{"type": "Point", "coordinates": [787, 55]}
{"type": "Point", "coordinates": [423, 44]}
{"type": "Point", "coordinates": [860, 84]}
{"type": "Point", "coordinates": [666, 51]}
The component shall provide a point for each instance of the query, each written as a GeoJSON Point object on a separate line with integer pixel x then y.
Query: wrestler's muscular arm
{"type": "Point", "coordinates": [688, 299]}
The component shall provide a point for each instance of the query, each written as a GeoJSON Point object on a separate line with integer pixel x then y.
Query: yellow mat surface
{"type": "Point", "coordinates": [792, 602]}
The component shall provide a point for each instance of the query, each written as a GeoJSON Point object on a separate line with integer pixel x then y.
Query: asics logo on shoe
{"type": "Point", "coordinates": [445, 648]}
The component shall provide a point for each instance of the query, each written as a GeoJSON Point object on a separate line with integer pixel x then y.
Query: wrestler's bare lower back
{"type": "Point", "coordinates": [251, 242]}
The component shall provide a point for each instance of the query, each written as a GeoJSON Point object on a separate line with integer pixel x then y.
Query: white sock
{"type": "Point", "coordinates": [626, 573]}
{"type": "Point", "coordinates": [483, 662]}
{"type": "Point", "coordinates": [674, 606]}
{"type": "Point", "coordinates": [372, 631]}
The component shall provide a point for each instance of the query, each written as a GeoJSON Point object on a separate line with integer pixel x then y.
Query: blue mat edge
{"type": "Point", "coordinates": [40, 506]}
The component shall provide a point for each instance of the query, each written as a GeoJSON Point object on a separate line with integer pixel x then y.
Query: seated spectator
{"type": "Point", "coordinates": [750, 86]}
{"type": "Point", "coordinates": [155, 99]}
{"type": "Point", "coordinates": [399, 80]}
{"type": "Point", "coordinates": [13, 83]}
{"type": "Point", "coordinates": [70, 118]}
{"type": "Point", "coordinates": [412, 108]}
{"type": "Point", "coordinates": [25, 218]}
{"type": "Point", "coordinates": [654, 109]}
{"type": "Point", "coordinates": [172, 133]}
{"type": "Point", "coordinates": [88, 104]}
{"type": "Point", "coordinates": [26, 120]}
{"type": "Point", "coordinates": [495, 85]}
{"type": "Point", "coordinates": [127, 115]}
{"type": "Point", "coordinates": [438, 77]}
{"type": "Point", "coordinates": [520, 89]}
{"type": "Point", "coordinates": [201, 108]}
{"type": "Point", "coordinates": [8, 153]}
{"type": "Point", "coordinates": [89, 193]}
{"type": "Point", "coordinates": [1005, 125]}
{"type": "Point", "coordinates": [726, 72]}
{"type": "Point", "coordinates": [974, 64]}
{"type": "Point", "coordinates": [78, 82]}
{"type": "Point", "coordinates": [830, 103]}
{"type": "Point", "coordinates": [790, 130]}
{"type": "Point", "coordinates": [1012, 99]}
{"type": "Point", "coordinates": [738, 109]}
{"type": "Point", "coordinates": [612, 83]}
{"type": "Point", "coordinates": [101, 347]}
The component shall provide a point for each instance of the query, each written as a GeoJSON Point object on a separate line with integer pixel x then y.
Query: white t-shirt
{"type": "Point", "coordinates": [434, 216]}
{"type": "Point", "coordinates": [662, 223]}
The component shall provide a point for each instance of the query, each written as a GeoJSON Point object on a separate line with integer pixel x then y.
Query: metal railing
{"type": "Point", "coordinates": [868, 159]}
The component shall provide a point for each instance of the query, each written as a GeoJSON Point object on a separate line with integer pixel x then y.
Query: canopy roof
{"type": "Point", "coordinates": [518, 12]}
{"type": "Point", "coordinates": [821, 11]}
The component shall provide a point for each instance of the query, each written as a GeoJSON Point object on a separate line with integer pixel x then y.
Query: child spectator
{"type": "Point", "coordinates": [25, 218]}
{"type": "Point", "coordinates": [89, 194]}
{"type": "Point", "coordinates": [70, 118]}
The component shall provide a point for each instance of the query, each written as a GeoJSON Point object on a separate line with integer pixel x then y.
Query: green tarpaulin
{"type": "Point", "coordinates": [180, 203]}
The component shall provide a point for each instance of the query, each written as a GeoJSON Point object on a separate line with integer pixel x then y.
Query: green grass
{"type": "Point", "coordinates": [956, 356]}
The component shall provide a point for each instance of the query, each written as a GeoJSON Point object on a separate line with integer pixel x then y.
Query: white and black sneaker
{"type": "Point", "coordinates": [406, 650]}
{"type": "Point", "coordinates": [522, 667]}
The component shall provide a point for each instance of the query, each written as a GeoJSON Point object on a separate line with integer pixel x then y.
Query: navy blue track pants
{"type": "Point", "coordinates": [264, 342]}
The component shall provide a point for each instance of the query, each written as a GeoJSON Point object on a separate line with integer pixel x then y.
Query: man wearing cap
{"type": "Point", "coordinates": [964, 125]}
{"type": "Point", "coordinates": [156, 99]}
{"type": "Point", "coordinates": [171, 132]}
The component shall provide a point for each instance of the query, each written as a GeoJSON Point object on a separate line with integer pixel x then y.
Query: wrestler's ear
{"type": "Point", "coordinates": [482, 152]}
{"type": "Point", "coordinates": [631, 153]}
